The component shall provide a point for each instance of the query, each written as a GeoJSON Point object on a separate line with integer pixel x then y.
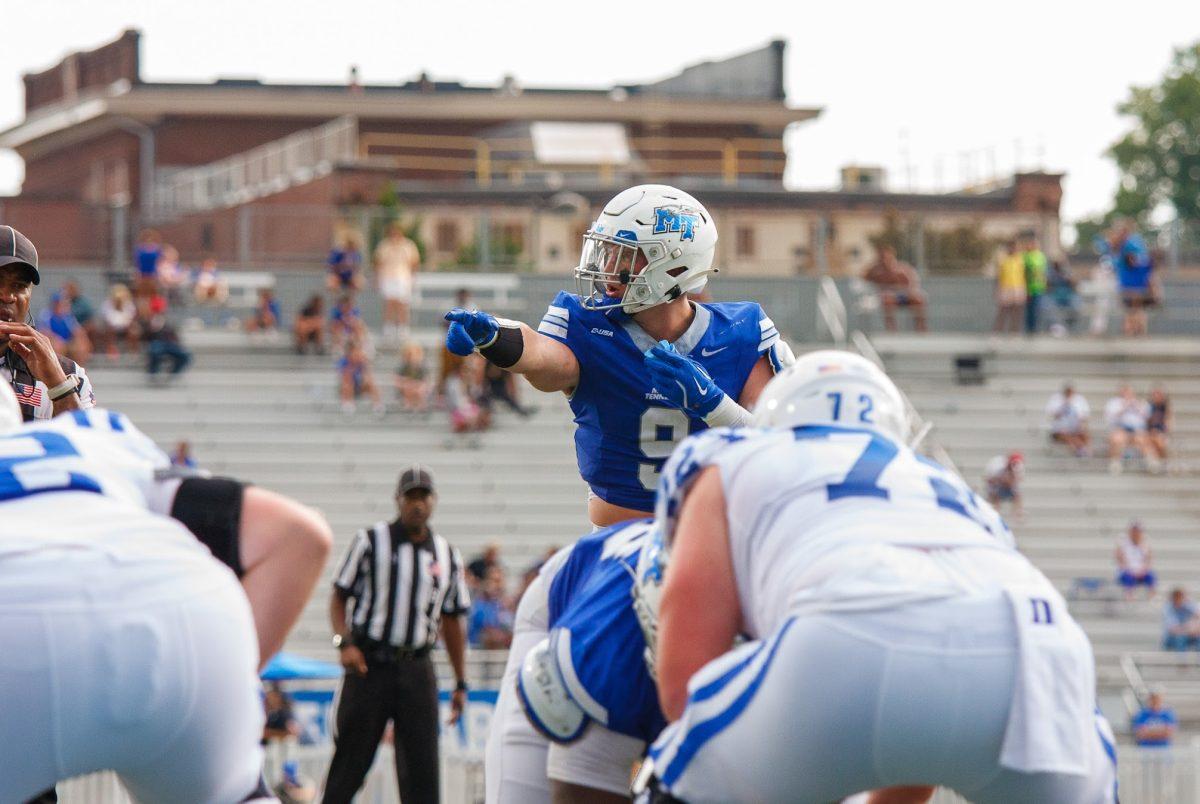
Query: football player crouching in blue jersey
{"type": "Point", "coordinates": [642, 364]}
{"type": "Point", "coordinates": [577, 706]}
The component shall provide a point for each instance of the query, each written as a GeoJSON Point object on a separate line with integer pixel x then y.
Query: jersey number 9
{"type": "Point", "coordinates": [661, 430]}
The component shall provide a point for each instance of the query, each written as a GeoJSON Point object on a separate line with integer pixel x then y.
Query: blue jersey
{"type": "Point", "coordinates": [594, 633]}
{"type": "Point", "coordinates": [625, 429]}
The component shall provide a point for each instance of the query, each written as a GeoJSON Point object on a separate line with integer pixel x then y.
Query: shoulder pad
{"type": "Point", "coordinates": [548, 705]}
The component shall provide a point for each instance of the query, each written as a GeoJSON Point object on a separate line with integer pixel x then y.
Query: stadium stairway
{"type": "Point", "coordinates": [260, 413]}
{"type": "Point", "coordinates": [1074, 509]}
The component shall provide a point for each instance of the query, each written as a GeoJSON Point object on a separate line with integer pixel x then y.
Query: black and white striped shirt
{"type": "Point", "coordinates": [399, 589]}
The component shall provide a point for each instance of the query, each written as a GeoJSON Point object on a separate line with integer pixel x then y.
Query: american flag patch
{"type": "Point", "coordinates": [28, 394]}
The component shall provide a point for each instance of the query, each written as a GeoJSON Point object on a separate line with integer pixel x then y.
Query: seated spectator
{"type": "Point", "coordinates": [356, 376]}
{"type": "Point", "coordinates": [461, 392]}
{"type": "Point", "coordinates": [1068, 414]}
{"type": "Point", "coordinates": [1181, 622]}
{"type": "Point", "coordinates": [163, 342]}
{"type": "Point", "coordinates": [82, 309]}
{"type": "Point", "coordinates": [1126, 416]}
{"type": "Point", "coordinates": [182, 456]}
{"type": "Point", "coordinates": [1010, 290]}
{"type": "Point", "coordinates": [209, 288]}
{"type": "Point", "coordinates": [344, 265]}
{"type": "Point", "coordinates": [344, 320]}
{"type": "Point", "coordinates": [899, 285]}
{"type": "Point", "coordinates": [478, 567]}
{"type": "Point", "coordinates": [145, 257]}
{"type": "Point", "coordinates": [281, 723]}
{"type": "Point", "coordinates": [266, 315]}
{"type": "Point", "coordinates": [1155, 724]}
{"type": "Point", "coordinates": [120, 321]}
{"type": "Point", "coordinates": [65, 332]}
{"type": "Point", "coordinates": [502, 385]}
{"type": "Point", "coordinates": [1159, 423]}
{"type": "Point", "coordinates": [1063, 295]}
{"type": "Point", "coordinates": [172, 276]}
{"type": "Point", "coordinates": [490, 625]}
{"type": "Point", "coordinates": [1003, 478]}
{"type": "Point", "coordinates": [1135, 562]}
{"type": "Point", "coordinates": [309, 328]}
{"type": "Point", "coordinates": [412, 378]}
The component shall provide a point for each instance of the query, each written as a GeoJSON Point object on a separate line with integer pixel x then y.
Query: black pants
{"type": "Point", "coordinates": [404, 692]}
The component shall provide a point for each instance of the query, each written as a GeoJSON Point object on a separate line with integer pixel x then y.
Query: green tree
{"type": "Point", "coordinates": [957, 250]}
{"type": "Point", "coordinates": [1159, 160]}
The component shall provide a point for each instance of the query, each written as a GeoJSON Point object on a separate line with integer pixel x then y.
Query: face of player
{"type": "Point", "coordinates": [416, 506]}
{"type": "Point", "coordinates": [617, 262]}
{"type": "Point", "coordinates": [16, 290]}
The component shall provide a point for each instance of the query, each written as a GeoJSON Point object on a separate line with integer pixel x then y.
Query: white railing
{"type": "Point", "coordinates": [831, 311]}
{"type": "Point", "coordinates": [296, 159]}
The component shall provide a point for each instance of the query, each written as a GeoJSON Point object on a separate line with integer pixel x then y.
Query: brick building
{"type": "Point", "coordinates": [261, 174]}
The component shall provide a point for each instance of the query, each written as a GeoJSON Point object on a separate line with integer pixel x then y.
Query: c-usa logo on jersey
{"type": "Point", "coordinates": [676, 220]}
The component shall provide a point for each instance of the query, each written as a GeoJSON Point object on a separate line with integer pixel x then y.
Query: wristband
{"type": "Point", "coordinates": [727, 413]}
{"type": "Point", "coordinates": [68, 386]}
{"type": "Point", "coordinates": [506, 346]}
{"type": "Point", "coordinates": [460, 686]}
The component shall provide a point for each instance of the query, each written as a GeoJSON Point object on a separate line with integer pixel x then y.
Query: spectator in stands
{"type": "Point", "coordinates": [66, 333]}
{"type": "Point", "coordinates": [1035, 283]}
{"type": "Point", "coordinates": [357, 377]}
{"type": "Point", "coordinates": [899, 285]}
{"type": "Point", "coordinates": [412, 379]}
{"type": "Point", "coordinates": [344, 321]}
{"type": "Point", "coordinates": [1002, 475]}
{"type": "Point", "coordinates": [309, 328]}
{"type": "Point", "coordinates": [501, 385]}
{"type": "Point", "coordinates": [1135, 562]}
{"type": "Point", "coordinates": [119, 315]}
{"type": "Point", "coordinates": [531, 572]}
{"type": "Point", "coordinates": [145, 257]}
{"type": "Point", "coordinates": [1159, 423]}
{"type": "Point", "coordinates": [490, 625]}
{"type": "Point", "coordinates": [1134, 266]}
{"type": "Point", "coordinates": [461, 390]}
{"type": "Point", "coordinates": [344, 264]}
{"type": "Point", "coordinates": [163, 342]}
{"type": "Point", "coordinates": [478, 568]}
{"type": "Point", "coordinates": [82, 309]}
{"type": "Point", "coordinates": [210, 289]}
{"type": "Point", "coordinates": [1010, 290]}
{"type": "Point", "coordinates": [1154, 724]}
{"type": "Point", "coordinates": [1064, 295]}
{"type": "Point", "coordinates": [1068, 414]}
{"type": "Point", "coordinates": [267, 314]}
{"type": "Point", "coordinates": [172, 276]}
{"type": "Point", "coordinates": [396, 261]}
{"type": "Point", "coordinates": [1104, 295]}
{"type": "Point", "coordinates": [1127, 416]}
{"type": "Point", "coordinates": [281, 723]}
{"type": "Point", "coordinates": [1181, 622]}
{"type": "Point", "coordinates": [182, 456]}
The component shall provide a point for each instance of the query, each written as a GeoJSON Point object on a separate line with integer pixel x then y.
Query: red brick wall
{"type": "Point", "coordinates": [200, 140]}
{"type": "Point", "coordinates": [68, 172]}
{"type": "Point", "coordinates": [81, 71]}
{"type": "Point", "coordinates": [62, 230]}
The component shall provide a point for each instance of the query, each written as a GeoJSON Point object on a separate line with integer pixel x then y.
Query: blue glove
{"type": "Point", "coordinates": [469, 329]}
{"type": "Point", "coordinates": [683, 381]}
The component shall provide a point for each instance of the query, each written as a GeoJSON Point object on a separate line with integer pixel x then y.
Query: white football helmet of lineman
{"type": "Point", "coordinates": [651, 244]}
{"type": "Point", "coordinates": [10, 410]}
{"type": "Point", "coordinates": [833, 387]}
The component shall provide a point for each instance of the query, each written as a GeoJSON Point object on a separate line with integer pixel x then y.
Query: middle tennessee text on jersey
{"type": "Point", "coordinates": [625, 429]}
{"type": "Point", "coordinates": [595, 638]}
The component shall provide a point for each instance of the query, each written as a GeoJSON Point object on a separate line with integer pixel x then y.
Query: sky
{"type": "Point", "coordinates": [937, 93]}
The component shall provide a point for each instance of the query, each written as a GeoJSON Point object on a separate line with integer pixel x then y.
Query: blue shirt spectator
{"type": "Point", "coordinates": [145, 255]}
{"type": "Point", "coordinates": [491, 621]}
{"type": "Point", "coordinates": [344, 263]}
{"type": "Point", "coordinates": [1181, 623]}
{"type": "Point", "coordinates": [1154, 725]}
{"type": "Point", "coordinates": [57, 319]}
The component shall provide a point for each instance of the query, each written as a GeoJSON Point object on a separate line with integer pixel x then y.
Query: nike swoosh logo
{"type": "Point", "coordinates": [700, 387]}
{"type": "Point", "coordinates": [706, 353]}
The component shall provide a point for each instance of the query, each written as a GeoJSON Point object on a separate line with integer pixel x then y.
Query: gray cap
{"type": "Point", "coordinates": [415, 477]}
{"type": "Point", "coordinates": [16, 249]}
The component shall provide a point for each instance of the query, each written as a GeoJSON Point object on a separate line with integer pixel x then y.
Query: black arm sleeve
{"type": "Point", "coordinates": [211, 508]}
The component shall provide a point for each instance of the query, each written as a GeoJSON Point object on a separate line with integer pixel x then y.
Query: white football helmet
{"type": "Point", "coordinates": [650, 245]}
{"type": "Point", "coordinates": [833, 387]}
{"type": "Point", "coordinates": [10, 410]}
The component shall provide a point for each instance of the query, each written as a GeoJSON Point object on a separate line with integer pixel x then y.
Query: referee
{"type": "Point", "coordinates": [398, 582]}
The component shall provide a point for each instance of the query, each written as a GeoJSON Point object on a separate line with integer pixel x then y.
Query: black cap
{"type": "Point", "coordinates": [415, 477]}
{"type": "Point", "coordinates": [15, 249]}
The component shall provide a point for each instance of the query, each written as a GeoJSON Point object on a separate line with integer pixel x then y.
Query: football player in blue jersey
{"type": "Point", "coordinates": [642, 364]}
{"type": "Point", "coordinates": [577, 706]}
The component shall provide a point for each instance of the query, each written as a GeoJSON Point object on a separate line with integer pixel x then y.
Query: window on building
{"type": "Point", "coordinates": [744, 241]}
{"type": "Point", "coordinates": [512, 236]}
{"type": "Point", "coordinates": [446, 236]}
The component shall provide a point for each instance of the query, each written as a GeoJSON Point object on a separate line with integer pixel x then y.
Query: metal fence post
{"type": "Point", "coordinates": [243, 235]}
{"type": "Point", "coordinates": [119, 227]}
